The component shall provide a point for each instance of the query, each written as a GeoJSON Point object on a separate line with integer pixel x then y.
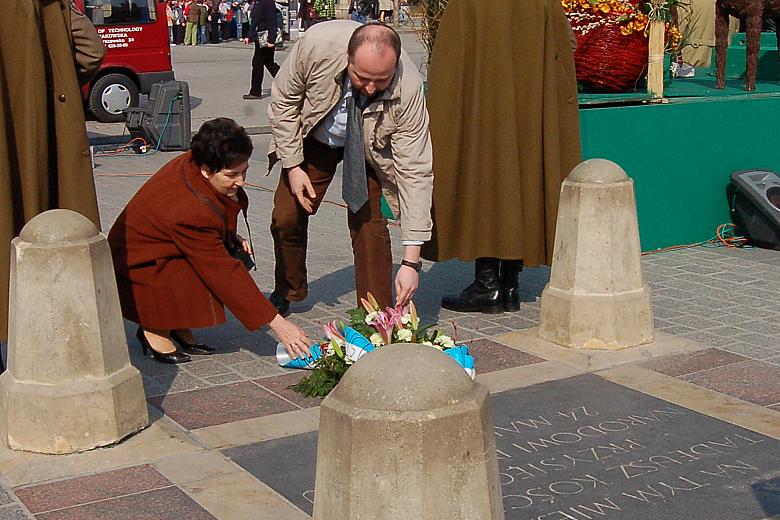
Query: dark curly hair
{"type": "Point", "coordinates": [220, 143]}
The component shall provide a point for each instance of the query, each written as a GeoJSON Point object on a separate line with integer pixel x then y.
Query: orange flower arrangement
{"type": "Point", "coordinates": [630, 16]}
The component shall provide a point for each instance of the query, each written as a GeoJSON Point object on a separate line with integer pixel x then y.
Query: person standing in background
{"type": "Point", "coordinates": [169, 19]}
{"type": "Point", "coordinates": [262, 32]}
{"type": "Point", "coordinates": [502, 148]}
{"type": "Point", "coordinates": [178, 22]}
{"type": "Point", "coordinates": [192, 15]}
{"type": "Point", "coordinates": [203, 18]}
{"type": "Point", "coordinates": [385, 11]}
{"type": "Point", "coordinates": [238, 16]}
{"type": "Point", "coordinates": [214, 20]}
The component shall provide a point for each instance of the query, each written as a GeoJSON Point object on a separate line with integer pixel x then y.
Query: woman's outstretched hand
{"type": "Point", "coordinates": [295, 341]}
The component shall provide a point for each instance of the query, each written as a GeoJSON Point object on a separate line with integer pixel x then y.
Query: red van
{"type": "Point", "coordinates": [138, 54]}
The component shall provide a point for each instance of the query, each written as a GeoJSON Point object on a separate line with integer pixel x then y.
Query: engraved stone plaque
{"type": "Point", "coordinates": [584, 448]}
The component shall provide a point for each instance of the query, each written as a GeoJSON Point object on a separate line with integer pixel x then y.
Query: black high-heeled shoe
{"type": "Point", "coordinates": [192, 348]}
{"type": "Point", "coordinates": [171, 358]}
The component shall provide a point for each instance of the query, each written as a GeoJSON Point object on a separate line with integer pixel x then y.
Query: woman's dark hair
{"type": "Point", "coordinates": [220, 143]}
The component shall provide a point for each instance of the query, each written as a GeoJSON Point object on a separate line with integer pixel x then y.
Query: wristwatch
{"type": "Point", "coordinates": [414, 265]}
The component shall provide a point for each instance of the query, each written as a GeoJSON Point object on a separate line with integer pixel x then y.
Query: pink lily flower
{"type": "Point", "coordinates": [334, 331]}
{"type": "Point", "coordinates": [395, 315]}
{"type": "Point", "coordinates": [384, 325]}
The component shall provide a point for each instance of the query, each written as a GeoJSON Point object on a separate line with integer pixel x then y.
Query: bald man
{"type": "Point", "coordinates": [347, 93]}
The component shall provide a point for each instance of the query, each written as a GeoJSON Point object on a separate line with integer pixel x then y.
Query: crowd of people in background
{"type": "Point", "coordinates": [196, 22]}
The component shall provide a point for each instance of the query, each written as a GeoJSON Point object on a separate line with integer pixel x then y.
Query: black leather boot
{"type": "Point", "coordinates": [510, 296]}
{"type": "Point", "coordinates": [484, 295]}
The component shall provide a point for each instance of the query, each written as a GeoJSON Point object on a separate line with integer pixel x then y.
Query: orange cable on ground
{"type": "Point", "coordinates": [725, 236]}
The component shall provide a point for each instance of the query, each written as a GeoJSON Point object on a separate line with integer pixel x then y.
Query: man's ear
{"type": "Point", "coordinates": [206, 171]}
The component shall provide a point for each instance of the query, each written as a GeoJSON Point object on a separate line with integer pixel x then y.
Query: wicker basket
{"type": "Point", "coordinates": [608, 61]}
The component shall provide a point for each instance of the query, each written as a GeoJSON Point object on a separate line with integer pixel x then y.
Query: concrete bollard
{"type": "Point", "coordinates": [407, 435]}
{"type": "Point", "coordinates": [69, 386]}
{"type": "Point", "coordinates": [596, 298]}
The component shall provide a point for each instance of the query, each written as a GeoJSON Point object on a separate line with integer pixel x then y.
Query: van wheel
{"type": "Point", "coordinates": [110, 95]}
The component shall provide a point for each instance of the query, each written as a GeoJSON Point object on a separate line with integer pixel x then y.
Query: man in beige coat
{"type": "Point", "coordinates": [335, 66]}
{"type": "Point", "coordinates": [45, 51]}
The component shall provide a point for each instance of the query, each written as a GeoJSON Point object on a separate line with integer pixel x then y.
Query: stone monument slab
{"type": "Point", "coordinates": [584, 448]}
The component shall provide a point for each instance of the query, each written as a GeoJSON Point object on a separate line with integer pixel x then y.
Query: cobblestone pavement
{"type": "Point", "coordinates": [722, 302]}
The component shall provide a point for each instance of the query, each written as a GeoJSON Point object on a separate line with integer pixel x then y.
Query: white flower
{"type": "Point", "coordinates": [429, 344]}
{"type": "Point", "coordinates": [405, 319]}
{"type": "Point", "coordinates": [445, 341]}
{"type": "Point", "coordinates": [404, 335]}
{"type": "Point", "coordinates": [376, 339]}
{"type": "Point", "coordinates": [370, 317]}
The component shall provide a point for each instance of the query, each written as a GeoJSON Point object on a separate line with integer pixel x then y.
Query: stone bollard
{"type": "Point", "coordinates": [69, 385]}
{"type": "Point", "coordinates": [407, 435]}
{"type": "Point", "coordinates": [596, 298]}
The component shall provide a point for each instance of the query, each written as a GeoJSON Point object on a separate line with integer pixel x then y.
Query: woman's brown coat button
{"type": "Point", "coordinates": [61, 98]}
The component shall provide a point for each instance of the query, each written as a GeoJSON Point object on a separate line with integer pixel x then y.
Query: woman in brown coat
{"type": "Point", "coordinates": [173, 270]}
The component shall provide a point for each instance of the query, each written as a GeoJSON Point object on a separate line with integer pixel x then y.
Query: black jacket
{"type": "Point", "coordinates": [263, 18]}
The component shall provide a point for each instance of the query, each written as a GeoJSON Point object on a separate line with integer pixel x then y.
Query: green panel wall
{"type": "Point", "coordinates": [681, 154]}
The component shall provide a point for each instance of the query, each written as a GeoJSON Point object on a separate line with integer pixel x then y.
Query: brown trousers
{"type": "Point", "coordinates": [367, 228]}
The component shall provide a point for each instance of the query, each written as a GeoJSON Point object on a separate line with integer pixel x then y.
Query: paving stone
{"type": "Point", "coordinates": [726, 330]}
{"type": "Point", "coordinates": [701, 267]}
{"type": "Point", "coordinates": [705, 337]}
{"type": "Point", "coordinates": [490, 356]}
{"type": "Point", "coordinates": [750, 351]}
{"type": "Point", "coordinates": [82, 490]}
{"type": "Point", "coordinates": [664, 313]}
{"type": "Point", "coordinates": [5, 497]}
{"type": "Point", "coordinates": [235, 357]}
{"type": "Point", "coordinates": [184, 381]}
{"type": "Point", "coordinates": [660, 270]}
{"type": "Point", "coordinates": [677, 329]}
{"type": "Point", "coordinates": [279, 385]}
{"type": "Point", "coordinates": [699, 310]}
{"type": "Point", "coordinates": [14, 512]}
{"type": "Point", "coordinates": [496, 331]}
{"type": "Point", "coordinates": [154, 387]}
{"type": "Point", "coordinates": [764, 327]}
{"type": "Point", "coordinates": [513, 321]}
{"type": "Point", "coordinates": [286, 465]}
{"type": "Point", "coordinates": [696, 322]}
{"type": "Point", "coordinates": [683, 364]}
{"type": "Point", "coordinates": [751, 381]}
{"type": "Point", "coordinates": [169, 503]}
{"type": "Point", "coordinates": [711, 301]}
{"type": "Point", "coordinates": [204, 366]}
{"type": "Point", "coordinates": [753, 312]}
{"type": "Point", "coordinates": [760, 340]}
{"type": "Point", "coordinates": [675, 298]}
{"type": "Point", "coordinates": [224, 379]}
{"type": "Point", "coordinates": [261, 368]}
{"type": "Point", "coordinates": [220, 405]}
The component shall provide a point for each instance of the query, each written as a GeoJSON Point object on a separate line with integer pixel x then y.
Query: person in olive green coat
{"type": "Point", "coordinates": [44, 152]}
{"type": "Point", "coordinates": [505, 132]}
